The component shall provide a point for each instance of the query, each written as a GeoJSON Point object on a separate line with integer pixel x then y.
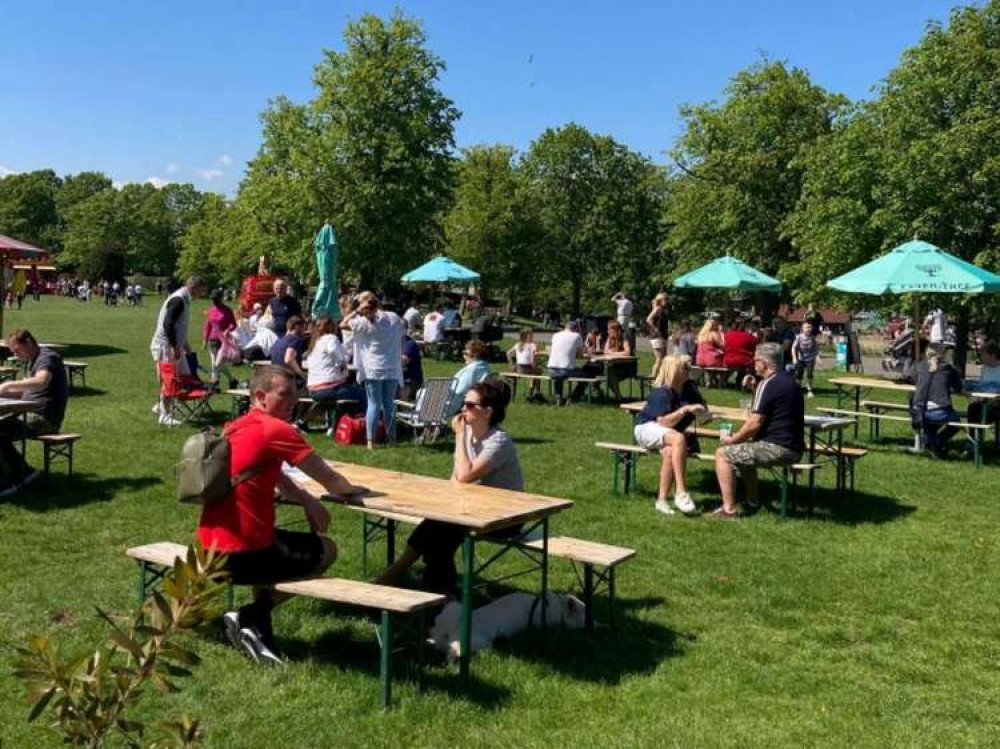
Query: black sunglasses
{"type": "Point", "coordinates": [470, 404]}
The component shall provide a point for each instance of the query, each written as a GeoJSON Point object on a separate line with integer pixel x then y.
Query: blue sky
{"type": "Point", "coordinates": [173, 90]}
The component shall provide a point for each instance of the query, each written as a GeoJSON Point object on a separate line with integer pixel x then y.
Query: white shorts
{"type": "Point", "coordinates": [650, 435]}
{"type": "Point", "coordinates": [162, 354]}
{"type": "Point", "coordinates": [657, 343]}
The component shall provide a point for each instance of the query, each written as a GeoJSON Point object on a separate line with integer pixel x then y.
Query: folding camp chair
{"type": "Point", "coordinates": [185, 399]}
{"type": "Point", "coordinates": [428, 416]}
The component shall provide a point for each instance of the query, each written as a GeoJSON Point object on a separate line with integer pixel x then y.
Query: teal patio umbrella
{"type": "Point", "coordinates": [917, 267]}
{"type": "Point", "coordinates": [728, 273]}
{"type": "Point", "coordinates": [441, 270]}
{"type": "Point", "coordinates": [327, 262]}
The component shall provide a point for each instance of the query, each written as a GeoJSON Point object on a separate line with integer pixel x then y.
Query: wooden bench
{"type": "Point", "coordinates": [56, 446]}
{"type": "Point", "coordinates": [589, 554]}
{"type": "Point", "coordinates": [876, 409]}
{"type": "Point", "coordinates": [715, 376]}
{"type": "Point", "coordinates": [590, 382]}
{"type": "Point", "coordinates": [156, 559]}
{"type": "Point", "coordinates": [76, 369]}
{"type": "Point", "coordinates": [515, 377]}
{"type": "Point", "coordinates": [626, 456]}
{"type": "Point", "coordinates": [389, 601]}
{"type": "Point", "coordinates": [846, 457]}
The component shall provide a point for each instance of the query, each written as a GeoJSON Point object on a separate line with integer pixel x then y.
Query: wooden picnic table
{"type": "Point", "coordinates": [875, 383]}
{"type": "Point", "coordinates": [478, 509]}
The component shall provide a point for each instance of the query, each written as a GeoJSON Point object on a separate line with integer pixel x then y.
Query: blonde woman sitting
{"type": "Point", "coordinates": [674, 403]}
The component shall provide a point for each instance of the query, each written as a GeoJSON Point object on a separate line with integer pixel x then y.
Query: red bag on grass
{"type": "Point", "coordinates": [351, 431]}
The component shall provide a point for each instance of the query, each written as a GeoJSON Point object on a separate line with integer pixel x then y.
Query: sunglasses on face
{"type": "Point", "coordinates": [469, 405]}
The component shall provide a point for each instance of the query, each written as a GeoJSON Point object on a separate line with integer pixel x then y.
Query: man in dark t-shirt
{"type": "Point", "coordinates": [773, 435]}
{"type": "Point", "coordinates": [47, 388]}
{"type": "Point", "coordinates": [283, 307]}
{"type": "Point", "coordinates": [288, 350]}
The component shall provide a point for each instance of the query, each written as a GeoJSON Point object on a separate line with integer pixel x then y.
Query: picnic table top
{"type": "Point", "coordinates": [876, 383]}
{"type": "Point", "coordinates": [813, 421]}
{"type": "Point", "coordinates": [17, 405]}
{"type": "Point", "coordinates": [473, 506]}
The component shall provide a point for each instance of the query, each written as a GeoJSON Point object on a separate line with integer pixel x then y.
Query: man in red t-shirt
{"type": "Point", "coordinates": [242, 524]}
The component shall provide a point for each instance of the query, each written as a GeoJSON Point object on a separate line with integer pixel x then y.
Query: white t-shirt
{"type": "Point", "coordinates": [565, 346]}
{"type": "Point", "coordinates": [327, 362]}
{"type": "Point", "coordinates": [413, 318]}
{"type": "Point", "coordinates": [625, 309]}
{"type": "Point", "coordinates": [525, 353]}
{"type": "Point", "coordinates": [432, 327]}
{"type": "Point", "coordinates": [378, 346]}
{"type": "Point", "coordinates": [939, 325]}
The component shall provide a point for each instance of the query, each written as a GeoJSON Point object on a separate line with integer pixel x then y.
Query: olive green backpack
{"type": "Point", "coordinates": [203, 471]}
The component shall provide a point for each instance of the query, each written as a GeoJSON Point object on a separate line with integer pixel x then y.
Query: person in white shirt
{"type": "Point", "coordinates": [564, 350]}
{"type": "Point", "coordinates": [433, 332]}
{"type": "Point", "coordinates": [378, 355]}
{"type": "Point", "coordinates": [937, 324]}
{"type": "Point", "coordinates": [259, 347]}
{"type": "Point", "coordinates": [327, 378]}
{"type": "Point", "coordinates": [413, 317]}
{"type": "Point", "coordinates": [522, 355]}
{"type": "Point", "coordinates": [624, 309]}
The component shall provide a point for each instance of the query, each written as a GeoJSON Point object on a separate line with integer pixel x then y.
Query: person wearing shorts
{"type": "Point", "coordinates": [658, 330]}
{"type": "Point", "coordinates": [773, 435]}
{"type": "Point", "coordinates": [242, 524]}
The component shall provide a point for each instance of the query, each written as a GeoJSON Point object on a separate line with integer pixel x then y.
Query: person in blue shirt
{"type": "Point", "coordinates": [476, 369]}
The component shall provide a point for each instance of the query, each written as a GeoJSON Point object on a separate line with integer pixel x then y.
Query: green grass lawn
{"type": "Point", "coordinates": [871, 623]}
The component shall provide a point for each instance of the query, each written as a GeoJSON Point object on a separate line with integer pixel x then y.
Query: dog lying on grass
{"type": "Point", "coordinates": [505, 617]}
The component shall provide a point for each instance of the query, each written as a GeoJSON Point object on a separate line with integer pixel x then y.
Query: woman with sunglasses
{"type": "Point", "coordinates": [484, 454]}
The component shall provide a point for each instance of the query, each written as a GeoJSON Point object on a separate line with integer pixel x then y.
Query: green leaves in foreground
{"type": "Point", "coordinates": [88, 695]}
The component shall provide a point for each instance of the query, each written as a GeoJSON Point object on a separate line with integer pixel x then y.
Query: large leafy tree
{"type": "Point", "coordinates": [922, 159]}
{"type": "Point", "coordinates": [372, 152]}
{"type": "Point", "coordinates": [737, 170]}
{"type": "Point", "coordinates": [491, 226]}
{"type": "Point", "coordinates": [28, 209]}
{"type": "Point", "coordinates": [599, 207]}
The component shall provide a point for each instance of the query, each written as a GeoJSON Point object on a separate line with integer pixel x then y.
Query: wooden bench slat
{"type": "Point", "coordinates": [584, 552]}
{"type": "Point", "coordinates": [850, 452]}
{"type": "Point", "coordinates": [621, 447]}
{"type": "Point", "coordinates": [520, 376]}
{"type": "Point", "coordinates": [399, 517]}
{"type": "Point", "coordinates": [58, 439]}
{"type": "Point", "coordinates": [886, 404]}
{"type": "Point", "coordinates": [368, 595]}
{"type": "Point", "coordinates": [162, 552]}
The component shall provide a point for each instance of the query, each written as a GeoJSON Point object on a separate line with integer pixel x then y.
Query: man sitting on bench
{"type": "Point", "coordinates": [45, 385]}
{"type": "Point", "coordinates": [773, 435]}
{"type": "Point", "coordinates": [242, 525]}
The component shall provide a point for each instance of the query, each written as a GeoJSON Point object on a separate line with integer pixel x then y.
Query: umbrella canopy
{"type": "Point", "coordinates": [728, 273]}
{"type": "Point", "coordinates": [17, 250]}
{"type": "Point", "coordinates": [917, 267]}
{"type": "Point", "coordinates": [441, 270]}
{"type": "Point", "coordinates": [327, 262]}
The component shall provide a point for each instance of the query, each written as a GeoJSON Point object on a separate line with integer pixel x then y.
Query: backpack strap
{"type": "Point", "coordinates": [244, 475]}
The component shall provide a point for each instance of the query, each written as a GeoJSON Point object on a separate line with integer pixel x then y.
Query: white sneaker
{"type": "Point", "coordinates": [684, 503]}
{"type": "Point", "coordinates": [169, 421]}
{"type": "Point", "coordinates": [329, 432]}
{"type": "Point", "coordinates": [809, 394]}
{"type": "Point", "coordinates": [158, 409]}
{"type": "Point", "coordinates": [663, 506]}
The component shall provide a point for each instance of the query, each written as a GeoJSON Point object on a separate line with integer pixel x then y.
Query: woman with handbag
{"type": "Point", "coordinates": [220, 321]}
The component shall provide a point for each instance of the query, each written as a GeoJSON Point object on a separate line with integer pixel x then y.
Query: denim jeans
{"type": "Point", "coordinates": [381, 395]}
{"type": "Point", "coordinates": [559, 375]}
{"type": "Point", "coordinates": [341, 392]}
{"type": "Point", "coordinates": [936, 433]}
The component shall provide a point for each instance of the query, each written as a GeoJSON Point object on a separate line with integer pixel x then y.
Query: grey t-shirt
{"type": "Point", "coordinates": [52, 398]}
{"type": "Point", "coordinates": [501, 455]}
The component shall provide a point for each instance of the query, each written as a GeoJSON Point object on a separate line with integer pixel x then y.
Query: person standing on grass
{"type": "Point", "coordinates": [773, 434]}
{"type": "Point", "coordinates": [624, 309]}
{"type": "Point", "coordinates": [170, 338]}
{"type": "Point", "coordinates": [282, 307]}
{"type": "Point", "coordinates": [658, 330]}
{"type": "Point", "coordinates": [46, 386]}
{"type": "Point", "coordinates": [378, 347]}
{"type": "Point", "coordinates": [673, 405]}
{"type": "Point", "coordinates": [805, 353]}
{"type": "Point", "coordinates": [220, 321]}
{"type": "Point", "coordinates": [484, 454]}
{"type": "Point", "coordinates": [242, 524]}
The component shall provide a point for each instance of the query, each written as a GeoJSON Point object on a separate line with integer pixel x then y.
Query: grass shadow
{"type": "Point", "coordinates": [90, 350]}
{"type": "Point", "coordinates": [85, 392]}
{"type": "Point", "coordinates": [62, 492]}
{"type": "Point", "coordinates": [339, 648]}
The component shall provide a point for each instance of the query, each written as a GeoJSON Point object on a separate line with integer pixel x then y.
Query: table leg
{"type": "Point", "coordinates": [390, 541]}
{"type": "Point", "coordinates": [812, 459]}
{"type": "Point", "coordinates": [545, 572]}
{"type": "Point", "coordinates": [465, 621]}
{"type": "Point", "coordinates": [857, 408]}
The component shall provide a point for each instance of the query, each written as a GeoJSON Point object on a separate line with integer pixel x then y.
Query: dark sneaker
{"type": "Point", "coordinates": [231, 623]}
{"type": "Point", "coordinates": [263, 653]}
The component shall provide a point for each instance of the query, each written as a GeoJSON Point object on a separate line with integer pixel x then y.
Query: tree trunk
{"type": "Point", "coordinates": [962, 339]}
{"type": "Point", "coordinates": [577, 293]}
